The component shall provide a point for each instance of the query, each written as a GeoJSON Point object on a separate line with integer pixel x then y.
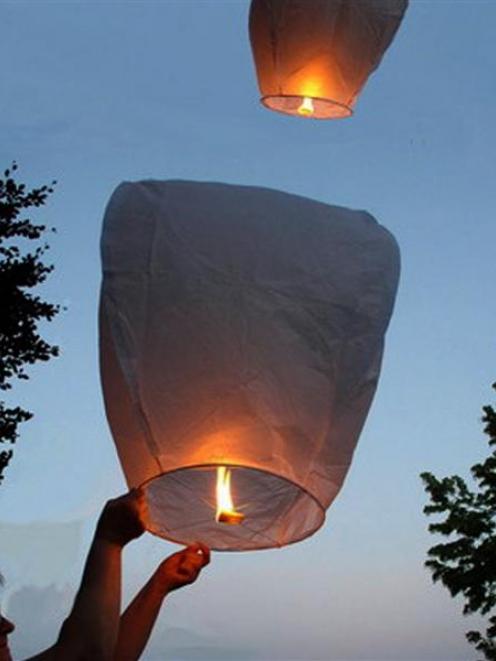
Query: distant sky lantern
{"type": "Point", "coordinates": [241, 337]}
{"type": "Point", "coordinates": [313, 57]}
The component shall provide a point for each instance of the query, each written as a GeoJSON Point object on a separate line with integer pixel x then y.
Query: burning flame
{"type": "Point", "coordinates": [226, 512]}
{"type": "Point", "coordinates": [306, 107]}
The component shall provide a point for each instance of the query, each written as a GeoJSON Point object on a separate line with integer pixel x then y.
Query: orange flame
{"type": "Point", "coordinates": [306, 107]}
{"type": "Point", "coordinates": [226, 512]}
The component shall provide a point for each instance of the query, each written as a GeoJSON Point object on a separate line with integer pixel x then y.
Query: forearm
{"type": "Point", "coordinates": [91, 629]}
{"type": "Point", "coordinates": [137, 621]}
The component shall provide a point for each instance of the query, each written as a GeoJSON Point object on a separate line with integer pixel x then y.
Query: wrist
{"type": "Point", "coordinates": [159, 585]}
{"type": "Point", "coordinates": [104, 536]}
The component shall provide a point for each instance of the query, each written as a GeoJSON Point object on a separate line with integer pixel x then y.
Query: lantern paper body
{"type": "Point", "coordinates": [323, 50]}
{"type": "Point", "coordinates": [240, 327]}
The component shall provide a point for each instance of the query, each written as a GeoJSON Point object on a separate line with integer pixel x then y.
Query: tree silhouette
{"type": "Point", "coordinates": [466, 564]}
{"type": "Point", "coordinates": [21, 311]}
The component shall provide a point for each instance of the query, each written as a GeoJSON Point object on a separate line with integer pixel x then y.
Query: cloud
{"type": "Point", "coordinates": [40, 553]}
{"type": "Point", "coordinates": [38, 614]}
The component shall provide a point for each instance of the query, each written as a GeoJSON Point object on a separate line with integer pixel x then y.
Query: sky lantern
{"type": "Point", "coordinates": [241, 337]}
{"type": "Point", "coordinates": [313, 57]}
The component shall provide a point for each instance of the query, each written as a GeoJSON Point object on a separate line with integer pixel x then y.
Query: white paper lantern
{"type": "Point", "coordinates": [313, 57]}
{"type": "Point", "coordinates": [240, 327]}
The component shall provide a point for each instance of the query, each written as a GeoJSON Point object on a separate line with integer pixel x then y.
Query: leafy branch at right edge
{"type": "Point", "coordinates": [466, 562]}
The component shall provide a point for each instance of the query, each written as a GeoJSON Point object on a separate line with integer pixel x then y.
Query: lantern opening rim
{"type": "Point", "coordinates": [233, 465]}
{"type": "Point", "coordinates": [276, 103]}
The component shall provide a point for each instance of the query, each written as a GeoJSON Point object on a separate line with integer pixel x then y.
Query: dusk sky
{"type": "Point", "coordinates": [94, 93]}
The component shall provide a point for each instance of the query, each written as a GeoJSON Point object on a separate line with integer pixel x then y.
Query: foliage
{"type": "Point", "coordinates": [466, 564]}
{"type": "Point", "coordinates": [21, 270]}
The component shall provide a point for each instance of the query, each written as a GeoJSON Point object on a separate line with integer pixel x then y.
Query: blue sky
{"type": "Point", "coordinates": [94, 93]}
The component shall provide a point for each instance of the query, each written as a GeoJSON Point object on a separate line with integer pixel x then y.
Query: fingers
{"type": "Point", "coordinates": [183, 567]}
{"type": "Point", "coordinates": [134, 499]}
{"type": "Point", "coordinates": [200, 550]}
{"type": "Point", "coordinates": [136, 495]}
{"type": "Point", "coordinates": [140, 498]}
{"type": "Point", "coordinates": [193, 559]}
{"type": "Point", "coordinates": [122, 519]}
{"type": "Point", "coordinates": [192, 562]}
{"type": "Point", "coordinates": [205, 552]}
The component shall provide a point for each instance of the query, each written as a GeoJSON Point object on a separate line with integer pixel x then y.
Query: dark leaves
{"type": "Point", "coordinates": [466, 563]}
{"type": "Point", "coordinates": [21, 271]}
{"type": "Point", "coordinates": [485, 644]}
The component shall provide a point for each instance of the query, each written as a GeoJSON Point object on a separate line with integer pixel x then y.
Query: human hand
{"type": "Point", "coordinates": [122, 518]}
{"type": "Point", "coordinates": [182, 568]}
